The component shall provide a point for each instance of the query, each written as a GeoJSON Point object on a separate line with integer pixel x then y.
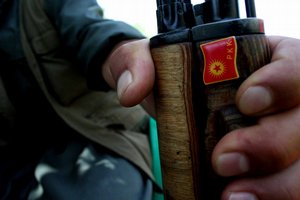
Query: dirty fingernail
{"type": "Point", "coordinates": [255, 99]}
{"type": "Point", "coordinates": [231, 164]}
{"type": "Point", "coordinates": [242, 196]}
{"type": "Point", "coordinates": [124, 81]}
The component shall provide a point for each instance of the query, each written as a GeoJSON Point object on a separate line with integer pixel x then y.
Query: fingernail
{"type": "Point", "coordinates": [255, 99]}
{"type": "Point", "coordinates": [124, 81]}
{"type": "Point", "coordinates": [231, 164]}
{"type": "Point", "coordinates": [242, 196]}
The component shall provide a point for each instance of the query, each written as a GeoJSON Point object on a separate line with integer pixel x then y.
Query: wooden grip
{"type": "Point", "coordinates": [174, 119]}
{"type": "Point", "coordinates": [192, 117]}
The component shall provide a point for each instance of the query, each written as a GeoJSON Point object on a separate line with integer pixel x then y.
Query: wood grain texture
{"type": "Point", "coordinates": [191, 119]}
{"type": "Point", "coordinates": [174, 120]}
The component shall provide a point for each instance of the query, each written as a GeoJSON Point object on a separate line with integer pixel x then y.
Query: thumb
{"type": "Point", "coordinates": [130, 70]}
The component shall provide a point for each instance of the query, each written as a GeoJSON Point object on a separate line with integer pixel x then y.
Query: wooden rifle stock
{"type": "Point", "coordinates": [192, 116]}
{"type": "Point", "coordinates": [175, 119]}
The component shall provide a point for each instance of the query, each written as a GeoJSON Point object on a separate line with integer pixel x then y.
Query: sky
{"type": "Point", "coordinates": [281, 17]}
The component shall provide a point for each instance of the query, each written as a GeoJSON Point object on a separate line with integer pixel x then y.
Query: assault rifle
{"type": "Point", "coordinates": [202, 54]}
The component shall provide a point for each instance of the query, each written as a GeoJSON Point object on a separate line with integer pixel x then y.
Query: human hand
{"type": "Point", "coordinates": [130, 70]}
{"type": "Point", "coordinates": [266, 157]}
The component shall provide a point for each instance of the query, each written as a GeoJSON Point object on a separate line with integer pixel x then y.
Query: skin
{"type": "Point", "coordinates": [264, 158]}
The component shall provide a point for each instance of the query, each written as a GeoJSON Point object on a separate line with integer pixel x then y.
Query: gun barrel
{"type": "Point", "coordinates": [214, 10]}
{"type": "Point", "coordinates": [250, 8]}
{"type": "Point", "coordinates": [174, 14]}
{"type": "Point", "coordinates": [229, 9]}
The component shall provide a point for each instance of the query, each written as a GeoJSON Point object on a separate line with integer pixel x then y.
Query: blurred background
{"type": "Point", "coordinates": [281, 17]}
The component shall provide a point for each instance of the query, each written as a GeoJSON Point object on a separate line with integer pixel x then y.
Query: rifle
{"type": "Point", "coordinates": [202, 53]}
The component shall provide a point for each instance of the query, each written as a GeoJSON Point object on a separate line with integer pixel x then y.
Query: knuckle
{"type": "Point", "coordinates": [265, 148]}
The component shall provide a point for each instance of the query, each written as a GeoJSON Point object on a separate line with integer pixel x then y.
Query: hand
{"type": "Point", "coordinates": [130, 70]}
{"type": "Point", "coordinates": [267, 155]}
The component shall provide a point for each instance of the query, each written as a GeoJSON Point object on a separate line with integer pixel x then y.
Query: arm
{"type": "Point", "coordinates": [87, 35]}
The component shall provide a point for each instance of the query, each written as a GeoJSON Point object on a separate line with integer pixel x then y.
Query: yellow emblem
{"type": "Point", "coordinates": [216, 68]}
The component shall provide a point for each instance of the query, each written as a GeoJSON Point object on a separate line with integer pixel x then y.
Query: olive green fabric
{"type": "Point", "coordinates": [96, 115]}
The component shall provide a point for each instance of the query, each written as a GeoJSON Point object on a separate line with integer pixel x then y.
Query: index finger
{"type": "Point", "coordinates": [276, 86]}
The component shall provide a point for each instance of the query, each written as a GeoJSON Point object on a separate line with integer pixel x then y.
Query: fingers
{"type": "Point", "coordinates": [269, 146]}
{"type": "Point", "coordinates": [276, 86]}
{"type": "Point", "coordinates": [130, 70]}
{"type": "Point", "coordinates": [281, 186]}
{"type": "Point", "coordinates": [270, 149]}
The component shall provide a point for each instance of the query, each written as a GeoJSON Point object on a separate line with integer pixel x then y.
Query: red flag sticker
{"type": "Point", "coordinates": [220, 60]}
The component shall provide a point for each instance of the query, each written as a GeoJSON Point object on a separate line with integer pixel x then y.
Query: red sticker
{"type": "Point", "coordinates": [220, 60]}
